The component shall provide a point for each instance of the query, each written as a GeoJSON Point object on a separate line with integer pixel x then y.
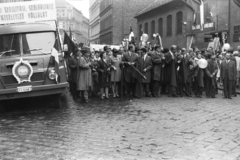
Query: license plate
{"type": "Point", "coordinates": [24, 89]}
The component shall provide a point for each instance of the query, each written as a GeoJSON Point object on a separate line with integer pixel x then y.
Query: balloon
{"type": "Point", "coordinates": [226, 46]}
{"type": "Point", "coordinates": [202, 63]}
{"type": "Point", "coordinates": [144, 37]}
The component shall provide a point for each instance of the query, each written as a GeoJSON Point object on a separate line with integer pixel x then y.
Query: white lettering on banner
{"type": "Point", "coordinates": [30, 11]}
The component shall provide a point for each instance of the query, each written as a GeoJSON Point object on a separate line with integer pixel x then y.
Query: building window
{"type": "Point", "coordinates": [179, 23]}
{"type": "Point", "coordinates": [146, 28]}
{"type": "Point", "coordinates": [169, 25]}
{"type": "Point", "coordinates": [152, 28]}
{"type": "Point", "coordinates": [140, 31]}
{"type": "Point", "coordinates": [160, 26]}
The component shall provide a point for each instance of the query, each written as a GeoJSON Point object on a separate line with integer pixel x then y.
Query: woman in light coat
{"type": "Point", "coordinates": [84, 75]}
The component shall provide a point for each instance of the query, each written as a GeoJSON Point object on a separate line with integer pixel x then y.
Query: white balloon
{"type": "Point", "coordinates": [226, 46]}
{"type": "Point", "coordinates": [144, 37]}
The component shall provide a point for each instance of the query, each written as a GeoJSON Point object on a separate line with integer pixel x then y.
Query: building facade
{"type": "Point", "coordinates": [116, 17]}
{"type": "Point", "coordinates": [69, 17]}
{"type": "Point", "coordinates": [94, 26]}
{"type": "Point", "coordinates": [178, 22]}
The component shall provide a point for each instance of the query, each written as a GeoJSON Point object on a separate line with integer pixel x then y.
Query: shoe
{"type": "Point", "coordinates": [102, 98]}
{"type": "Point", "coordinates": [229, 97]}
{"type": "Point", "coordinates": [117, 95]}
{"type": "Point", "coordinates": [235, 95]}
{"type": "Point", "coordinates": [213, 97]}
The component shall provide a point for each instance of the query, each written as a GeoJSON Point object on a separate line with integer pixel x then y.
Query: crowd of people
{"type": "Point", "coordinates": [153, 72]}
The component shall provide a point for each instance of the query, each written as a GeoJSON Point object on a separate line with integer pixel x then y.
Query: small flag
{"type": "Point", "coordinates": [56, 59]}
{"type": "Point", "coordinates": [131, 35]}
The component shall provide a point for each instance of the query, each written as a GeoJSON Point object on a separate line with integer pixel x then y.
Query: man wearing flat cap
{"type": "Point", "coordinates": [171, 71]}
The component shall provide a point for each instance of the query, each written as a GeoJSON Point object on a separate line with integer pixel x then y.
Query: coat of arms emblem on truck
{"type": "Point", "coordinates": [22, 71]}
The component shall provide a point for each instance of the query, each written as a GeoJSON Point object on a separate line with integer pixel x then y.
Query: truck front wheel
{"type": "Point", "coordinates": [55, 100]}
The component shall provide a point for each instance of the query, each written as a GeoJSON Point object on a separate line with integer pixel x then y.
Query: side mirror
{"type": "Point", "coordinates": [65, 47]}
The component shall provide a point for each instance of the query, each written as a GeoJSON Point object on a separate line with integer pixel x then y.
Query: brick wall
{"type": "Point", "coordinates": [177, 39]}
{"type": "Point", "coordinates": [123, 12]}
{"type": "Point", "coordinates": [219, 9]}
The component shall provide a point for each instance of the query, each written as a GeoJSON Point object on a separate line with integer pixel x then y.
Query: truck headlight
{"type": "Point", "coordinates": [52, 74]}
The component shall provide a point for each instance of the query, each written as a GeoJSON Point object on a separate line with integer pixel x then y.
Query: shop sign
{"type": "Point", "coordinates": [236, 35]}
{"type": "Point", "coordinates": [206, 28]}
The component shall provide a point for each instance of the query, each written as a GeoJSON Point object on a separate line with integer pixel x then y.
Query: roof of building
{"type": "Point", "coordinates": [61, 3]}
{"type": "Point", "coordinates": [156, 4]}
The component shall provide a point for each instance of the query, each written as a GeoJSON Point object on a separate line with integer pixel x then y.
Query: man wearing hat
{"type": "Point", "coordinates": [144, 65]}
{"type": "Point", "coordinates": [129, 58]}
{"type": "Point", "coordinates": [183, 72]}
{"type": "Point", "coordinates": [84, 75]}
{"type": "Point", "coordinates": [237, 54]}
{"type": "Point", "coordinates": [234, 92]}
{"type": "Point", "coordinates": [211, 72]}
{"type": "Point", "coordinates": [156, 71]}
{"type": "Point", "coordinates": [171, 71]}
{"type": "Point", "coordinates": [164, 72]}
{"type": "Point", "coordinates": [228, 75]}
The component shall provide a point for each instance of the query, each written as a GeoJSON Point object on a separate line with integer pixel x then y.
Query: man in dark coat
{"type": "Point", "coordinates": [171, 71]}
{"type": "Point", "coordinates": [183, 72]}
{"type": "Point", "coordinates": [228, 75]}
{"type": "Point", "coordinates": [129, 58]}
{"type": "Point", "coordinates": [234, 92]}
{"type": "Point", "coordinates": [164, 72]}
{"type": "Point", "coordinates": [144, 65]}
{"type": "Point", "coordinates": [73, 65]}
{"type": "Point", "coordinates": [156, 71]}
{"type": "Point", "coordinates": [211, 72]}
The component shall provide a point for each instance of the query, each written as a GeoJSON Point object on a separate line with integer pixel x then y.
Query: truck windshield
{"type": "Point", "coordinates": [9, 45]}
{"type": "Point", "coordinates": [38, 43]}
{"type": "Point", "coordinates": [32, 44]}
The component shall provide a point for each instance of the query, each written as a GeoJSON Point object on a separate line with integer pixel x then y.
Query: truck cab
{"type": "Point", "coordinates": [27, 65]}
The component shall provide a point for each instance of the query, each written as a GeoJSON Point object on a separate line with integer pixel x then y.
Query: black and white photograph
{"type": "Point", "coordinates": [119, 79]}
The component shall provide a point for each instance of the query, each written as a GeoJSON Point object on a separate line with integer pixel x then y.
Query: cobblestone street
{"type": "Point", "coordinates": [142, 129]}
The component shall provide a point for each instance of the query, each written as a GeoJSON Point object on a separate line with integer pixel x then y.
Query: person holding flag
{"type": "Point", "coordinates": [129, 58]}
{"type": "Point", "coordinates": [144, 65]}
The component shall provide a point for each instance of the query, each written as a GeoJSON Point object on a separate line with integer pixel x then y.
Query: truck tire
{"type": "Point", "coordinates": [55, 101]}
{"type": "Point", "coordinates": [2, 106]}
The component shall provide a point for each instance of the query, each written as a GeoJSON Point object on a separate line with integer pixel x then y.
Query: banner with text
{"type": "Point", "coordinates": [30, 11]}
